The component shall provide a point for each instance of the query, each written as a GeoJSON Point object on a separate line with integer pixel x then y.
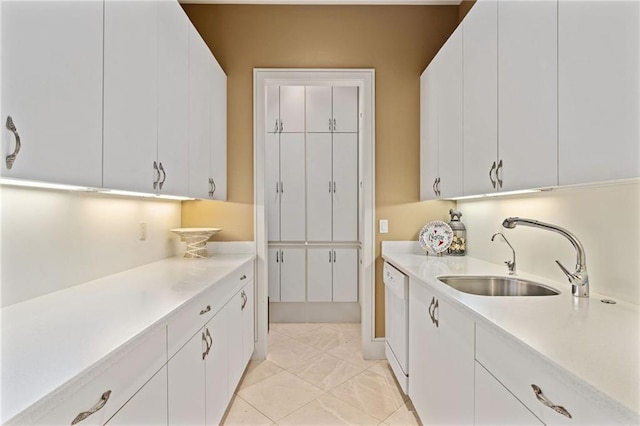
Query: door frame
{"type": "Point", "coordinates": [372, 347]}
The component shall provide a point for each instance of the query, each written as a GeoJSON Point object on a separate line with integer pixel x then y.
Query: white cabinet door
{"type": "Point", "coordinates": [272, 188]}
{"type": "Point", "coordinates": [319, 274]}
{"type": "Point", "coordinates": [173, 98]}
{"type": "Point", "coordinates": [248, 323]}
{"type": "Point", "coordinates": [217, 368]}
{"type": "Point", "coordinates": [450, 117]}
{"type": "Point", "coordinates": [292, 195]}
{"type": "Point", "coordinates": [429, 131]}
{"type": "Point", "coordinates": [200, 111]}
{"type": "Point", "coordinates": [52, 88]}
{"type": "Point", "coordinates": [187, 383]}
{"type": "Point", "coordinates": [441, 359]}
{"type": "Point", "coordinates": [318, 109]}
{"type": "Point", "coordinates": [130, 95]}
{"type": "Point", "coordinates": [345, 109]}
{"type": "Point", "coordinates": [273, 255]}
{"type": "Point", "coordinates": [480, 135]}
{"type": "Point", "coordinates": [148, 406]}
{"type": "Point", "coordinates": [292, 275]}
{"type": "Point", "coordinates": [273, 109]}
{"type": "Point", "coordinates": [292, 109]}
{"type": "Point", "coordinates": [527, 93]}
{"type": "Point", "coordinates": [218, 131]}
{"type": "Point", "coordinates": [234, 334]}
{"type": "Point", "coordinates": [495, 405]}
{"type": "Point", "coordinates": [345, 275]}
{"type": "Point", "coordinates": [345, 187]}
{"type": "Point", "coordinates": [319, 186]}
{"type": "Point", "coordinates": [599, 105]}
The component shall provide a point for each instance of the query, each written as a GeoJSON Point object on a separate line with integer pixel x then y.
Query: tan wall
{"type": "Point", "coordinates": [398, 41]}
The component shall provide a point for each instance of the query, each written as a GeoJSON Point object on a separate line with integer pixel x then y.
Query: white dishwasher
{"type": "Point", "coordinates": [396, 305]}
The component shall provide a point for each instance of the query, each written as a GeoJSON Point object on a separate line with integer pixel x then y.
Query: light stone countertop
{"type": "Point", "coordinates": [597, 343]}
{"type": "Point", "coordinates": [54, 344]}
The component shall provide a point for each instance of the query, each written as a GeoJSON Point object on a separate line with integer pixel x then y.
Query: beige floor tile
{"type": "Point", "coordinates": [371, 393]}
{"type": "Point", "coordinates": [384, 369]}
{"type": "Point", "coordinates": [352, 352]}
{"type": "Point", "coordinates": [280, 395]}
{"type": "Point", "coordinates": [241, 413]}
{"type": "Point", "coordinates": [325, 371]}
{"type": "Point", "coordinates": [273, 338]}
{"type": "Point", "coordinates": [258, 371]}
{"type": "Point", "coordinates": [291, 352]}
{"type": "Point", "coordinates": [294, 329]}
{"type": "Point", "coordinates": [328, 410]}
{"type": "Point", "coordinates": [323, 338]}
{"type": "Point", "coordinates": [404, 416]}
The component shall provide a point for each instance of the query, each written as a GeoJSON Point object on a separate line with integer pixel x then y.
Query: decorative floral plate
{"type": "Point", "coordinates": [436, 237]}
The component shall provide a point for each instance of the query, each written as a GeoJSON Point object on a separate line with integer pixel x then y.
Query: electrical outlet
{"type": "Point", "coordinates": [142, 230]}
{"type": "Point", "coordinates": [384, 226]}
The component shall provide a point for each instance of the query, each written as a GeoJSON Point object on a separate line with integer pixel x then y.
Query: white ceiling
{"type": "Point", "coordinates": [331, 2]}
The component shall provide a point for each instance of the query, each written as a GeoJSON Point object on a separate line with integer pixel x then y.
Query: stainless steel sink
{"type": "Point", "coordinates": [486, 285]}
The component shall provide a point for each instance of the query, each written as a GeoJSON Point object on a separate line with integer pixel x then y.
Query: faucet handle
{"type": "Point", "coordinates": [569, 275]}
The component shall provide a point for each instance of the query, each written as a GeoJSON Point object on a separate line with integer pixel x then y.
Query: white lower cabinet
{"type": "Point", "coordinates": [495, 405]}
{"type": "Point", "coordinates": [332, 275]}
{"type": "Point", "coordinates": [287, 274]}
{"type": "Point", "coordinates": [441, 358]}
{"type": "Point", "coordinates": [148, 406]}
{"type": "Point", "coordinates": [240, 331]}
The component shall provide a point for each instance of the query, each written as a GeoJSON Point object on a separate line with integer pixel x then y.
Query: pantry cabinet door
{"type": "Point", "coordinates": [187, 383]}
{"type": "Point", "coordinates": [173, 98]}
{"type": "Point", "coordinates": [52, 89]}
{"type": "Point", "coordinates": [291, 109]}
{"type": "Point", "coordinates": [130, 95]}
{"type": "Point", "coordinates": [345, 109]}
{"type": "Point", "coordinates": [480, 128]}
{"type": "Point", "coordinates": [319, 186]}
{"type": "Point", "coordinates": [599, 102]}
{"type": "Point", "coordinates": [318, 109]}
{"type": "Point", "coordinates": [292, 275]}
{"type": "Point", "coordinates": [273, 109]}
{"type": "Point", "coordinates": [273, 255]}
{"type": "Point", "coordinates": [292, 190]}
{"type": "Point", "coordinates": [429, 131]}
{"type": "Point", "coordinates": [345, 187]}
{"type": "Point", "coordinates": [527, 94]}
{"type": "Point", "coordinates": [272, 188]}
{"type": "Point", "coordinates": [345, 275]}
{"type": "Point", "coordinates": [148, 406]}
{"type": "Point", "coordinates": [319, 274]}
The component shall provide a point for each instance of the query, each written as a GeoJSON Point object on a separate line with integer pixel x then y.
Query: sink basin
{"type": "Point", "coordinates": [486, 285]}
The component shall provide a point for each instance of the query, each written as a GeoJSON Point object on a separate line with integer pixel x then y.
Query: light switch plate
{"type": "Point", "coordinates": [384, 226]}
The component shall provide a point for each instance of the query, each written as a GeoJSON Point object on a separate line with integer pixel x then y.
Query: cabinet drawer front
{"type": "Point", "coordinates": [124, 378]}
{"type": "Point", "coordinates": [244, 274]}
{"type": "Point", "coordinates": [187, 322]}
{"type": "Point", "coordinates": [518, 369]}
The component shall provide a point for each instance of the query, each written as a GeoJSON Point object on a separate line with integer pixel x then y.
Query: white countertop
{"type": "Point", "coordinates": [51, 344]}
{"type": "Point", "coordinates": [597, 343]}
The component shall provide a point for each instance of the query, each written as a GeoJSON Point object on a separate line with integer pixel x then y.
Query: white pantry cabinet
{"type": "Point", "coordinates": [441, 140]}
{"type": "Point", "coordinates": [332, 274]}
{"type": "Point", "coordinates": [331, 109]}
{"type": "Point", "coordinates": [52, 89]}
{"type": "Point", "coordinates": [527, 94]}
{"type": "Point", "coordinates": [287, 273]}
{"type": "Point", "coordinates": [285, 109]}
{"type": "Point", "coordinates": [148, 406]}
{"type": "Point", "coordinates": [441, 358]}
{"type": "Point", "coordinates": [599, 87]}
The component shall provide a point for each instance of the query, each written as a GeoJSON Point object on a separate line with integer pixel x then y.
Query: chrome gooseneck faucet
{"type": "Point", "coordinates": [579, 279]}
{"type": "Point", "coordinates": [511, 264]}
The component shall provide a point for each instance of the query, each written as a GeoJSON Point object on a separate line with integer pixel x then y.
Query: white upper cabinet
{"type": "Point", "coordinates": [273, 109]}
{"type": "Point", "coordinates": [318, 109]}
{"type": "Point", "coordinates": [291, 109]}
{"type": "Point", "coordinates": [527, 94]}
{"type": "Point", "coordinates": [599, 90]}
{"type": "Point", "coordinates": [130, 95]}
{"type": "Point", "coordinates": [218, 131]}
{"type": "Point", "coordinates": [173, 99]}
{"type": "Point", "coordinates": [429, 132]}
{"type": "Point", "coordinates": [345, 109]}
{"type": "Point", "coordinates": [480, 128]}
{"type": "Point", "coordinates": [52, 90]}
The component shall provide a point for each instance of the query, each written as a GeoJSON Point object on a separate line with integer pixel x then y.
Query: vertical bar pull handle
{"type": "Point", "coordinates": [334, 124]}
{"type": "Point", "coordinates": [329, 123]}
{"type": "Point", "coordinates": [281, 126]}
{"type": "Point", "coordinates": [329, 256]}
{"type": "Point", "coordinates": [11, 158]}
{"type": "Point", "coordinates": [157, 173]}
{"type": "Point", "coordinates": [276, 128]}
{"type": "Point", "coordinates": [493, 168]}
{"type": "Point", "coordinates": [334, 256]}
{"type": "Point", "coordinates": [277, 256]}
{"type": "Point", "coordinates": [281, 256]}
{"type": "Point", "coordinates": [164, 176]}
{"type": "Point", "coordinates": [499, 174]}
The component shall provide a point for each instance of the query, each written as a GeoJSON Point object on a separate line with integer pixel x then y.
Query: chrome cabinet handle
{"type": "Point", "coordinates": [157, 178]}
{"type": "Point", "coordinates": [281, 256]}
{"type": "Point", "coordinates": [434, 186]}
{"type": "Point", "coordinates": [244, 300]}
{"type": "Point", "coordinates": [212, 187]}
{"type": "Point", "coordinates": [334, 186]}
{"type": "Point", "coordinates": [277, 187]}
{"type": "Point", "coordinates": [433, 301]}
{"type": "Point", "coordinates": [206, 351]}
{"type": "Point", "coordinates": [210, 343]}
{"type": "Point", "coordinates": [281, 126]}
{"type": "Point", "coordinates": [438, 186]}
{"type": "Point", "coordinates": [281, 187]}
{"type": "Point", "coordinates": [432, 311]}
{"type": "Point", "coordinates": [243, 277]}
{"type": "Point", "coordinates": [543, 399]}
{"type": "Point", "coordinates": [330, 124]}
{"type": "Point", "coordinates": [334, 256]}
{"type": "Point", "coordinates": [329, 256]}
{"type": "Point", "coordinates": [436, 321]}
{"type": "Point", "coordinates": [275, 130]}
{"type": "Point", "coordinates": [499, 174]}
{"type": "Point", "coordinates": [11, 158]}
{"type": "Point", "coordinates": [334, 124]}
{"type": "Point", "coordinates": [103, 401]}
{"type": "Point", "coordinates": [205, 310]}
{"type": "Point", "coordinates": [164, 176]}
{"type": "Point", "coordinates": [277, 256]}
{"type": "Point", "coordinates": [493, 168]}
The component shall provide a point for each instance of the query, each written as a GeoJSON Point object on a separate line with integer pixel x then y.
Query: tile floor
{"type": "Point", "coordinates": [314, 374]}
